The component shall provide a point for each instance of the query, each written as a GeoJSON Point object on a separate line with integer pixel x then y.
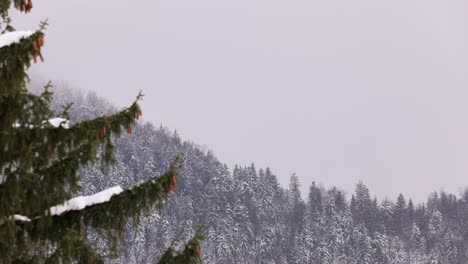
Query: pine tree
{"type": "Point", "coordinates": [361, 205]}
{"type": "Point", "coordinates": [410, 213]}
{"type": "Point", "coordinates": [363, 248]}
{"type": "Point", "coordinates": [315, 202]}
{"type": "Point", "coordinates": [399, 215]}
{"type": "Point", "coordinates": [416, 243]}
{"type": "Point", "coordinates": [40, 158]}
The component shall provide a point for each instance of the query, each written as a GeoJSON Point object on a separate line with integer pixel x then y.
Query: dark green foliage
{"type": "Point", "coordinates": [40, 164]}
{"type": "Point", "coordinates": [110, 217]}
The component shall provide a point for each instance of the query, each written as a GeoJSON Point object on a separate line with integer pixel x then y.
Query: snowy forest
{"type": "Point", "coordinates": [75, 188]}
{"type": "Point", "coordinates": [249, 218]}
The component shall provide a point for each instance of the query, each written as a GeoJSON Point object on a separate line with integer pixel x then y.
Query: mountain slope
{"type": "Point", "coordinates": [249, 218]}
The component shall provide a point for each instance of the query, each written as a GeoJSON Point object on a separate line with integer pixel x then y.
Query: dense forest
{"type": "Point", "coordinates": [249, 218]}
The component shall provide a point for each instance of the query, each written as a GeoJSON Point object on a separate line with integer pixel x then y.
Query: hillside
{"type": "Point", "coordinates": [249, 218]}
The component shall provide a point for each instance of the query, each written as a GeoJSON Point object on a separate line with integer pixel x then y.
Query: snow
{"type": "Point", "coordinates": [18, 125]}
{"type": "Point", "coordinates": [58, 121]}
{"type": "Point", "coordinates": [21, 218]}
{"type": "Point", "coordinates": [78, 203]}
{"type": "Point", "coordinates": [81, 202]}
{"type": "Point", "coordinates": [13, 37]}
{"type": "Point", "coordinates": [55, 122]}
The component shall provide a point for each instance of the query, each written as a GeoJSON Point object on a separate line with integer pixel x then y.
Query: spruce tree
{"type": "Point", "coordinates": [40, 158]}
{"type": "Point", "coordinates": [315, 202]}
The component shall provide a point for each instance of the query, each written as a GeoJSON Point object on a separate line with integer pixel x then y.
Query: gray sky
{"type": "Point", "coordinates": [336, 91]}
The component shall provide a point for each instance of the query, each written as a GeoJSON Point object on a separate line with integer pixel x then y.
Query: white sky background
{"type": "Point", "coordinates": [336, 91]}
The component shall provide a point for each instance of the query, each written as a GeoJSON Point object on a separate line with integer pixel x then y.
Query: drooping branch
{"type": "Point", "coordinates": [81, 251]}
{"type": "Point", "coordinates": [15, 58]}
{"type": "Point", "coordinates": [108, 216]}
{"type": "Point", "coordinates": [50, 166]}
{"type": "Point", "coordinates": [21, 142]}
{"type": "Point", "coordinates": [111, 215]}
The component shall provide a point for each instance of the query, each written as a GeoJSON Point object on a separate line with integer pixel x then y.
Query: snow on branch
{"type": "Point", "coordinates": [17, 218]}
{"type": "Point", "coordinates": [9, 38]}
{"type": "Point", "coordinates": [81, 202]}
{"type": "Point", "coordinates": [54, 122]}
{"type": "Point", "coordinates": [21, 218]}
{"type": "Point", "coordinates": [77, 203]}
{"type": "Point", "coordinates": [57, 121]}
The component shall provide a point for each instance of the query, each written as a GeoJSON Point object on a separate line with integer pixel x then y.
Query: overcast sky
{"type": "Point", "coordinates": [335, 91]}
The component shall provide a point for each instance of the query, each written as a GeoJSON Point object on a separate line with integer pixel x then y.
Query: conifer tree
{"type": "Point", "coordinates": [41, 155]}
{"type": "Point", "coordinates": [315, 201]}
{"type": "Point", "coordinates": [399, 215]}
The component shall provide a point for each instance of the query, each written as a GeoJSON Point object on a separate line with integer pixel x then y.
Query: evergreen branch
{"type": "Point", "coordinates": [59, 181]}
{"type": "Point", "coordinates": [110, 217]}
{"type": "Point", "coordinates": [14, 60]}
{"type": "Point", "coordinates": [4, 6]}
{"type": "Point", "coordinates": [21, 5]}
{"type": "Point", "coordinates": [43, 24]}
{"type": "Point", "coordinates": [73, 249]}
{"type": "Point", "coordinates": [23, 143]}
{"type": "Point", "coordinates": [65, 110]}
{"type": "Point", "coordinates": [8, 27]}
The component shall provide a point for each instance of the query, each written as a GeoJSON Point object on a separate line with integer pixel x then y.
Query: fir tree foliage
{"type": "Point", "coordinates": [40, 166]}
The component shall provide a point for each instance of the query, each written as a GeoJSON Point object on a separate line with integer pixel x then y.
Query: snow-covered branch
{"type": "Point", "coordinates": [13, 37]}
{"type": "Point", "coordinates": [54, 122]}
{"type": "Point", "coordinates": [81, 202]}
{"type": "Point", "coordinates": [58, 121]}
{"type": "Point", "coordinates": [21, 218]}
{"type": "Point", "coordinates": [77, 203]}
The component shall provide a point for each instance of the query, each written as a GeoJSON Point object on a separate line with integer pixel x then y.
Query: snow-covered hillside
{"type": "Point", "coordinates": [249, 218]}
